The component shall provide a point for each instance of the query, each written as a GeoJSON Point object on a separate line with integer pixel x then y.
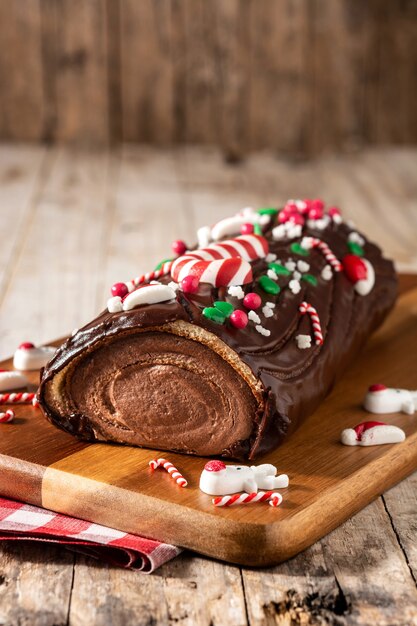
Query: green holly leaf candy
{"type": "Point", "coordinates": [257, 229]}
{"type": "Point", "coordinates": [213, 314]}
{"type": "Point", "coordinates": [298, 249]}
{"type": "Point", "coordinates": [279, 269]}
{"type": "Point", "coordinates": [269, 286]}
{"type": "Point", "coordinates": [355, 248]}
{"type": "Point", "coordinates": [158, 267]}
{"type": "Point", "coordinates": [267, 211]}
{"type": "Point", "coordinates": [309, 278]}
{"type": "Point", "coordinates": [224, 307]}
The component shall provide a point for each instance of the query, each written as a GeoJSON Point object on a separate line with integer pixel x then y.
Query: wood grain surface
{"type": "Point", "coordinates": [74, 223]}
{"type": "Point", "coordinates": [296, 77]}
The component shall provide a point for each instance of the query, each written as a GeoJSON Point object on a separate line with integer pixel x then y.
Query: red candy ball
{"type": "Point", "coordinates": [26, 346]}
{"type": "Point", "coordinates": [296, 218]}
{"type": "Point", "coordinates": [246, 229]}
{"type": "Point", "coordinates": [119, 289]}
{"type": "Point", "coordinates": [189, 284]}
{"type": "Point", "coordinates": [315, 213]}
{"type": "Point", "coordinates": [239, 319]}
{"type": "Point", "coordinates": [291, 207]}
{"type": "Point", "coordinates": [179, 247]}
{"type": "Point", "coordinates": [317, 204]}
{"type": "Point", "coordinates": [283, 216]}
{"type": "Point", "coordinates": [354, 268]}
{"type": "Point", "coordinates": [252, 301]}
{"type": "Point", "coordinates": [334, 210]}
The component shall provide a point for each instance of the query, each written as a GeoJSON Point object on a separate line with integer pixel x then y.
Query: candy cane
{"type": "Point", "coordinates": [145, 278]}
{"type": "Point", "coordinates": [18, 398]}
{"type": "Point", "coordinates": [274, 498]}
{"type": "Point", "coordinates": [313, 242]}
{"type": "Point", "coordinates": [171, 469]}
{"type": "Point", "coordinates": [7, 417]}
{"type": "Point", "coordinates": [305, 307]}
{"type": "Point", "coordinates": [246, 247]}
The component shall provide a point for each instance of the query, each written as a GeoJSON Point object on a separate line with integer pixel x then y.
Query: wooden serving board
{"type": "Point", "coordinates": [112, 484]}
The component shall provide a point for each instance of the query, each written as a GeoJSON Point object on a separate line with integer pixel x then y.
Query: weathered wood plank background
{"type": "Point", "coordinates": [297, 76]}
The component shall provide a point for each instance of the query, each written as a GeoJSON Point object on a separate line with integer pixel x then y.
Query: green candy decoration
{"type": "Point", "coordinates": [257, 229]}
{"type": "Point", "coordinates": [225, 308]}
{"type": "Point", "coordinates": [214, 314]}
{"type": "Point", "coordinates": [309, 278]}
{"type": "Point", "coordinates": [267, 211]}
{"type": "Point", "coordinates": [279, 269]}
{"type": "Point", "coordinates": [158, 267]}
{"type": "Point", "coordinates": [269, 286]}
{"type": "Point", "coordinates": [298, 249]}
{"type": "Point", "coordinates": [355, 248]}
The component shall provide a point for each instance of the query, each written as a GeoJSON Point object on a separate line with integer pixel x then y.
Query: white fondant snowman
{"type": "Point", "coordinates": [28, 357]}
{"type": "Point", "coordinates": [381, 399]}
{"type": "Point", "coordinates": [10, 380]}
{"type": "Point", "coordinates": [372, 434]}
{"type": "Point", "coordinates": [219, 479]}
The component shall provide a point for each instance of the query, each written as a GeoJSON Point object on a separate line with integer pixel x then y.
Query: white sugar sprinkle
{"type": "Point", "coordinates": [236, 291]}
{"type": "Point", "coordinates": [296, 275]}
{"type": "Point", "coordinates": [272, 275]}
{"type": "Point", "coordinates": [271, 305]}
{"type": "Point", "coordinates": [254, 317]}
{"type": "Point", "coordinates": [290, 265]}
{"type": "Point", "coordinates": [263, 331]}
{"type": "Point", "coordinates": [303, 341]}
{"type": "Point", "coordinates": [270, 258]}
{"type": "Point", "coordinates": [295, 286]}
{"type": "Point", "coordinates": [267, 311]}
{"type": "Point", "coordinates": [356, 238]}
{"type": "Point", "coordinates": [326, 273]}
{"type": "Point", "coordinates": [303, 266]}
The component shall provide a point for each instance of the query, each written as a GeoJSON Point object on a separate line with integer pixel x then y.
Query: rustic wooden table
{"type": "Point", "coordinates": [74, 223]}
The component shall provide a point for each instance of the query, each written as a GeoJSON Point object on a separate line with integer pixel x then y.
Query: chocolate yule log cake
{"type": "Point", "coordinates": [225, 349]}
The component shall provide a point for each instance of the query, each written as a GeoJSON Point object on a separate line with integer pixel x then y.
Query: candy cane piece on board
{"type": "Point", "coordinates": [171, 469]}
{"type": "Point", "coordinates": [19, 398]}
{"type": "Point", "coordinates": [6, 417]}
{"type": "Point", "coordinates": [273, 497]}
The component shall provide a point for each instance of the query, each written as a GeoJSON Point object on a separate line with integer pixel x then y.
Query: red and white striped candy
{"type": "Point", "coordinates": [6, 417]}
{"type": "Point", "coordinates": [18, 398]}
{"type": "Point", "coordinates": [171, 469]}
{"type": "Point", "coordinates": [146, 278]}
{"type": "Point", "coordinates": [313, 242]}
{"type": "Point", "coordinates": [273, 497]}
{"type": "Point", "coordinates": [305, 307]}
{"type": "Point", "coordinates": [222, 264]}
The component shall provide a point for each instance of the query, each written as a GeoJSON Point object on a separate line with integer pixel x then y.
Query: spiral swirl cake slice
{"type": "Point", "coordinates": [236, 342]}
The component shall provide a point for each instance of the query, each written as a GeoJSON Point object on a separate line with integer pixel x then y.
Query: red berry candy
{"type": "Point", "coordinates": [26, 346]}
{"type": "Point", "coordinates": [291, 207]}
{"type": "Point", "coordinates": [239, 319]}
{"type": "Point", "coordinates": [189, 284]}
{"type": "Point", "coordinates": [296, 218]}
{"type": "Point", "coordinates": [283, 216]}
{"type": "Point", "coordinates": [246, 229]}
{"type": "Point", "coordinates": [179, 247]}
{"type": "Point", "coordinates": [119, 289]}
{"type": "Point", "coordinates": [317, 204]}
{"type": "Point", "coordinates": [304, 207]}
{"type": "Point", "coordinates": [377, 387]}
{"type": "Point", "coordinates": [315, 214]}
{"type": "Point", "coordinates": [252, 301]}
{"type": "Point", "coordinates": [334, 210]}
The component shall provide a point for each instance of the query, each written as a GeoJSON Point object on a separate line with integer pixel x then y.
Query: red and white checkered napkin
{"type": "Point", "coordinates": [23, 521]}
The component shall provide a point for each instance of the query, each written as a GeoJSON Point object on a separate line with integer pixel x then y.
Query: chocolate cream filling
{"type": "Point", "coordinates": [159, 390]}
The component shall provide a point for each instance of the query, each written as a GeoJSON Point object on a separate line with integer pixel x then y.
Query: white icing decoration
{"type": "Point", "coordinates": [374, 436]}
{"type": "Point", "coordinates": [236, 291]}
{"type": "Point", "coordinates": [272, 275]}
{"type": "Point", "coordinates": [271, 305]}
{"type": "Point", "coordinates": [150, 294]}
{"type": "Point", "coordinates": [254, 317]}
{"type": "Point", "coordinates": [326, 273]}
{"type": "Point", "coordinates": [296, 275]}
{"type": "Point", "coordinates": [262, 331]}
{"type": "Point", "coordinates": [203, 236]}
{"type": "Point", "coordinates": [270, 258]}
{"type": "Point", "coordinates": [363, 287]}
{"type": "Point", "coordinates": [12, 380]}
{"type": "Point", "coordinates": [267, 311]}
{"type": "Point", "coordinates": [32, 358]}
{"type": "Point", "coordinates": [337, 218]}
{"type": "Point", "coordinates": [303, 266]}
{"type": "Point", "coordinates": [356, 238]}
{"type": "Point", "coordinates": [114, 304]}
{"type": "Point", "coordinates": [294, 286]}
{"type": "Point", "coordinates": [391, 401]}
{"type": "Point", "coordinates": [288, 230]}
{"type": "Point", "coordinates": [319, 224]}
{"type": "Point", "coordinates": [290, 265]}
{"type": "Point", "coordinates": [303, 341]}
{"type": "Point", "coordinates": [235, 478]}
{"type": "Point", "coordinates": [307, 243]}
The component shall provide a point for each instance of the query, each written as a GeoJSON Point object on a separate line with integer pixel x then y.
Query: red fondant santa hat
{"type": "Point", "coordinates": [215, 466]}
{"type": "Point", "coordinates": [360, 272]}
{"type": "Point", "coordinates": [372, 434]}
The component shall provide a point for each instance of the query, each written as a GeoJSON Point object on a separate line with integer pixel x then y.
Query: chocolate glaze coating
{"type": "Point", "coordinates": [119, 352]}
